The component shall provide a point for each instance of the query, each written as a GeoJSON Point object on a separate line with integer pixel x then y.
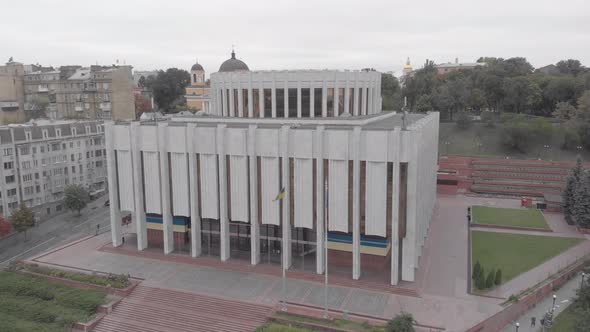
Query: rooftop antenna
{"type": "Point", "coordinates": [404, 113]}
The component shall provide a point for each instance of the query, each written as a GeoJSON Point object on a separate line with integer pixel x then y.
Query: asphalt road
{"type": "Point", "coordinates": [56, 231]}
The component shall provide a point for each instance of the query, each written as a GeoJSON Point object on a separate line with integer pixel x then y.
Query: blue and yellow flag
{"type": "Point", "coordinates": [281, 195]}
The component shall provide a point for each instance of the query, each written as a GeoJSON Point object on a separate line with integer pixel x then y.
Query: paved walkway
{"type": "Point", "coordinates": [565, 297]}
{"type": "Point", "coordinates": [441, 279]}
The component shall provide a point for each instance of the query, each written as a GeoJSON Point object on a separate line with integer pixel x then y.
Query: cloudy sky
{"type": "Point", "coordinates": [292, 34]}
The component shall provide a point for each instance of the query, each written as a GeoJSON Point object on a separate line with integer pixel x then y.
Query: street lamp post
{"type": "Point", "coordinates": [517, 326]}
{"type": "Point", "coordinates": [553, 306]}
{"type": "Point", "coordinates": [582, 283]}
{"type": "Point", "coordinates": [447, 143]}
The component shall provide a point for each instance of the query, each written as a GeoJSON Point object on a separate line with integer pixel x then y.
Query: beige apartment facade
{"type": "Point", "coordinates": [11, 93]}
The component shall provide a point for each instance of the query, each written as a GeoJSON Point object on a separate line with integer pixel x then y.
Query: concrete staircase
{"type": "Point", "coordinates": [159, 310]}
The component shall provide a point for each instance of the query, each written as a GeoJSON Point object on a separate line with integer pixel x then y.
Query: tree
{"type": "Point", "coordinates": [490, 279]}
{"type": "Point", "coordinates": [142, 105]}
{"type": "Point", "coordinates": [516, 132]}
{"type": "Point", "coordinates": [5, 227]}
{"type": "Point", "coordinates": [39, 106]}
{"type": "Point", "coordinates": [403, 322]}
{"type": "Point", "coordinates": [498, 278]}
{"type": "Point", "coordinates": [582, 201]}
{"type": "Point", "coordinates": [169, 87]}
{"type": "Point", "coordinates": [568, 197]}
{"type": "Point", "coordinates": [23, 219]}
{"type": "Point", "coordinates": [424, 104]}
{"type": "Point", "coordinates": [463, 120]}
{"type": "Point", "coordinates": [570, 67]}
{"type": "Point", "coordinates": [519, 94]}
{"type": "Point", "coordinates": [76, 197]}
{"type": "Point", "coordinates": [390, 92]}
{"type": "Point", "coordinates": [564, 111]}
{"type": "Point", "coordinates": [480, 282]}
{"type": "Point", "coordinates": [488, 119]}
{"type": "Point", "coordinates": [476, 270]}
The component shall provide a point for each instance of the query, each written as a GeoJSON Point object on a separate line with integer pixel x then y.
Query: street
{"type": "Point", "coordinates": [56, 231]}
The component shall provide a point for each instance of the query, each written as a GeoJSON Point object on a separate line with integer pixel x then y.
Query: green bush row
{"type": "Point", "coordinates": [9, 323]}
{"type": "Point", "coordinates": [113, 280]}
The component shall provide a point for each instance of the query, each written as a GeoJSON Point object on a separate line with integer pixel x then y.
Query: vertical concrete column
{"type": "Point", "coordinates": [250, 97]}
{"type": "Point", "coordinates": [347, 93]}
{"type": "Point", "coordinates": [370, 94]}
{"type": "Point", "coordinates": [355, 107]}
{"type": "Point", "coordinates": [224, 111]}
{"type": "Point", "coordinates": [356, 203]}
{"type": "Point", "coordinates": [254, 223]}
{"type": "Point", "coordinates": [395, 148]}
{"type": "Point", "coordinates": [116, 233]}
{"type": "Point", "coordinates": [219, 106]}
{"type": "Point", "coordinates": [232, 110]}
{"type": "Point", "coordinates": [320, 202]}
{"type": "Point", "coordinates": [378, 99]}
{"type": "Point", "coordinates": [286, 97]}
{"type": "Point", "coordinates": [240, 101]}
{"type": "Point", "coordinates": [168, 228]}
{"type": "Point", "coordinates": [324, 99]}
{"type": "Point", "coordinates": [311, 100]}
{"type": "Point", "coordinates": [223, 220]}
{"type": "Point", "coordinates": [284, 150]}
{"type": "Point", "coordinates": [364, 96]}
{"type": "Point", "coordinates": [273, 96]}
{"type": "Point", "coordinates": [261, 97]}
{"type": "Point", "coordinates": [336, 96]}
{"type": "Point", "coordinates": [193, 191]}
{"type": "Point", "coordinates": [298, 98]}
{"type": "Point", "coordinates": [140, 221]}
{"type": "Point", "coordinates": [409, 242]}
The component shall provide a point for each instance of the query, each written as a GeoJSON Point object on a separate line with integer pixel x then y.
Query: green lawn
{"type": "Point", "coordinates": [509, 217]}
{"type": "Point", "coordinates": [515, 253]}
{"type": "Point", "coordinates": [564, 322]}
{"type": "Point", "coordinates": [29, 304]}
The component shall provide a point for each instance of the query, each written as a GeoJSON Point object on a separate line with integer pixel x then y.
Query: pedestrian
{"type": "Point", "coordinates": [97, 228]}
{"type": "Point", "coordinates": [533, 321]}
{"type": "Point", "coordinates": [543, 321]}
{"type": "Point", "coordinates": [123, 240]}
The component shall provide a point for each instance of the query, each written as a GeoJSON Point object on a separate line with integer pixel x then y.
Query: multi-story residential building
{"type": "Point", "coordinates": [11, 92]}
{"type": "Point", "coordinates": [39, 159]}
{"type": "Point", "coordinates": [75, 92]}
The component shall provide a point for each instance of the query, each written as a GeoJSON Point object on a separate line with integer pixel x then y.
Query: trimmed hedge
{"type": "Point", "coordinates": [114, 280]}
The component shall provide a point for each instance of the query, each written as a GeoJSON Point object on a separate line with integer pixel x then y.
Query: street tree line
{"type": "Point", "coordinates": [576, 196]}
{"type": "Point", "coordinates": [23, 218]}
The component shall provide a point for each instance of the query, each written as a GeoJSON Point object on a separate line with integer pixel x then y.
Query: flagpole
{"type": "Point", "coordinates": [325, 250]}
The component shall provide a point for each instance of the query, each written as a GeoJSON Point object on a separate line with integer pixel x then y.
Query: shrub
{"type": "Point", "coordinates": [490, 279]}
{"type": "Point", "coordinates": [463, 120]}
{"type": "Point", "coordinates": [476, 270]}
{"type": "Point", "coordinates": [403, 322]}
{"type": "Point", "coordinates": [113, 280]}
{"type": "Point", "coordinates": [498, 279]}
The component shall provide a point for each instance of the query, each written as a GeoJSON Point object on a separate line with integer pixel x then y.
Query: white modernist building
{"type": "Point", "coordinates": [208, 184]}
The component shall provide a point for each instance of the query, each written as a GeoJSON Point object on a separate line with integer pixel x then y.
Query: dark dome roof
{"type": "Point", "coordinates": [197, 66]}
{"type": "Point", "coordinates": [233, 64]}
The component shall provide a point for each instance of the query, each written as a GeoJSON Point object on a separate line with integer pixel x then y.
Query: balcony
{"type": "Point", "coordinates": [42, 88]}
{"type": "Point", "coordinates": [9, 105]}
{"type": "Point", "coordinates": [105, 106]}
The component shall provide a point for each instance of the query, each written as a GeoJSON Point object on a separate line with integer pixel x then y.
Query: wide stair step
{"type": "Point", "coordinates": [150, 309]}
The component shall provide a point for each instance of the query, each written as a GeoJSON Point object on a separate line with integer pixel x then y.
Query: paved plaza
{"type": "Point", "coordinates": [441, 280]}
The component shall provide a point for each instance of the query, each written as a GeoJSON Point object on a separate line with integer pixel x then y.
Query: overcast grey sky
{"type": "Point", "coordinates": [335, 34]}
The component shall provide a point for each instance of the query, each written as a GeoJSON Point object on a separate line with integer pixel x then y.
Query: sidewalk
{"type": "Point", "coordinates": [564, 298]}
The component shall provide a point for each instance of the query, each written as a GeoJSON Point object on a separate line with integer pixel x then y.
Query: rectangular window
{"type": "Point", "coordinates": [11, 192]}
{"type": "Point", "coordinates": [7, 152]}
{"type": "Point", "coordinates": [9, 179]}
{"type": "Point", "coordinates": [9, 165]}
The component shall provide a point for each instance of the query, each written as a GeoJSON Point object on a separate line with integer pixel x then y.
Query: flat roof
{"type": "Point", "coordinates": [381, 121]}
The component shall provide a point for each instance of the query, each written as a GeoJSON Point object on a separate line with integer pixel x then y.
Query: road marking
{"type": "Point", "coordinates": [22, 253]}
{"type": "Point", "coordinates": [91, 219]}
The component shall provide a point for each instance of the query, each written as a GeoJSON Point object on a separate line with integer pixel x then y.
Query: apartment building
{"type": "Point", "coordinates": [38, 159]}
{"type": "Point", "coordinates": [75, 92]}
{"type": "Point", "coordinates": [11, 92]}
